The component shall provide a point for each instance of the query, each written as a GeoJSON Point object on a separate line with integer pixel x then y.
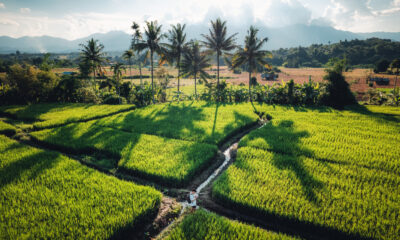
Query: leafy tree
{"type": "Point", "coordinates": [128, 54]}
{"type": "Point", "coordinates": [251, 54]}
{"type": "Point", "coordinates": [176, 47]}
{"type": "Point", "coordinates": [195, 63]}
{"type": "Point", "coordinates": [93, 56]}
{"type": "Point", "coordinates": [338, 89]}
{"type": "Point", "coordinates": [381, 66]}
{"type": "Point", "coordinates": [217, 41]}
{"type": "Point", "coordinates": [152, 42]}
{"type": "Point", "coordinates": [395, 67]}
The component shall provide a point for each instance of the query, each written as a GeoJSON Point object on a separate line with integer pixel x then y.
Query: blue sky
{"type": "Point", "coordinates": [73, 19]}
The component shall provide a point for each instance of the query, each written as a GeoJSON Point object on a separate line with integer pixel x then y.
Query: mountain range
{"type": "Point", "coordinates": [285, 37]}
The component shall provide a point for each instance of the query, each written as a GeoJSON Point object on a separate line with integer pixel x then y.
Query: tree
{"type": "Point", "coordinates": [194, 63]}
{"type": "Point", "coordinates": [395, 67]}
{"type": "Point", "coordinates": [140, 58]}
{"type": "Point", "coordinates": [117, 71]}
{"type": "Point", "coordinates": [218, 41]}
{"type": "Point", "coordinates": [92, 54]}
{"type": "Point", "coordinates": [128, 54]}
{"type": "Point", "coordinates": [251, 55]}
{"type": "Point", "coordinates": [177, 39]}
{"type": "Point", "coordinates": [381, 66]}
{"type": "Point", "coordinates": [338, 89]}
{"type": "Point", "coordinates": [153, 44]}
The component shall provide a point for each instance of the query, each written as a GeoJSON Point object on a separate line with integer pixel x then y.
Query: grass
{"type": "Point", "coordinates": [168, 161]}
{"type": "Point", "coordinates": [204, 225]}
{"type": "Point", "coordinates": [54, 114]}
{"type": "Point", "coordinates": [6, 128]}
{"type": "Point", "coordinates": [334, 169]}
{"type": "Point", "coordinates": [194, 121]}
{"type": "Point", "coordinates": [45, 195]}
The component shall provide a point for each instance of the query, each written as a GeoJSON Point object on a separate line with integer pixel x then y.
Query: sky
{"type": "Point", "coordinates": [72, 19]}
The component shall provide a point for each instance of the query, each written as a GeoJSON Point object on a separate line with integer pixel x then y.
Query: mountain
{"type": "Point", "coordinates": [285, 37]}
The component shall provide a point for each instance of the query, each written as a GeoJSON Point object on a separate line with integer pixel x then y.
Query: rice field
{"type": "Point", "coordinates": [334, 169]}
{"type": "Point", "coordinates": [47, 115]}
{"type": "Point", "coordinates": [204, 225]}
{"type": "Point", "coordinates": [45, 195]}
{"type": "Point", "coordinates": [171, 162]}
{"type": "Point", "coordinates": [194, 121]}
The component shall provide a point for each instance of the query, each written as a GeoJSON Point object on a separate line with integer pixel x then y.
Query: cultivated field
{"type": "Point", "coordinates": [326, 169]}
{"type": "Point", "coordinates": [335, 169]}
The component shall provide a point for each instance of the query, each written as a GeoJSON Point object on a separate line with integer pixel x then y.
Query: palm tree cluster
{"type": "Point", "coordinates": [190, 58]}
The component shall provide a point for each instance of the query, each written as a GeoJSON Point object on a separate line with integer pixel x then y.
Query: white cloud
{"type": "Point", "coordinates": [25, 10]}
{"type": "Point", "coordinates": [352, 15]}
{"type": "Point", "coordinates": [2, 6]}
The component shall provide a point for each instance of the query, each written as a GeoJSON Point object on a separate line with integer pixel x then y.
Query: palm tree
{"type": "Point", "coordinates": [128, 54]}
{"type": "Point", "coordinates": [177, 39]}
{"type": "Point", "coordinates": [92, 54]}
{"type": "Point", "coordinates": [218, 41]}
{"type": "Point", "coordinates": [251, 55]}
{"type": "Point", "coordinates": [117, 71]}
{"type": "Point", "coordinates": [153, 44]}
{"type": "Point", "coordinates": [140, 58]}
{"type": "Point", "coordinates": [194, 63]}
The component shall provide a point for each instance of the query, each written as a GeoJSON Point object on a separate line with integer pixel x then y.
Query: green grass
{"type": "Point", "coordinates": [54, 114]}
{"type": "Point", "coordinates": [384, 109]}
{"type": "Point", "coordinates": [204, 225]}
{"type": "Point", "coordinates": [168, 161]}
{"type": "Point", "coordinates": [45, 195]}
{"type": "Point", "coordinates": [6, 128]}
{"type": "Point", "coordinates": [336, 169]}
{"type": "Point", "coordinates": [343, 197]}
{"type": "Point", "coordinates": [194, 121]}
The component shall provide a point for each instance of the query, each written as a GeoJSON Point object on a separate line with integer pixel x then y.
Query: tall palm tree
{"type": "Point", "coordinates": [177, 39]}
{"type": "Point", "coordinates": [194, 63]}
{"type": "Point", "coordinates": [117, 71]}
{"type": "Point", "coordinates": [152, 42]}
{"type": "Point", "coordinates": [93, 55]}
{"type": "Point", "coordinates": [137, 36]}
{"type": "Point", "coordinates": [217, 41]}
{"type": "Point", "coordinates": [251, 55]}
{"type": "Point", "coordinates": [128, 54]}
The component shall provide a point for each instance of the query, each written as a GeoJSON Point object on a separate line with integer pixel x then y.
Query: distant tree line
{"type": "Point", "coordinates": [28, 81]}
{"type": "Point", "coordinates": [359, 53]}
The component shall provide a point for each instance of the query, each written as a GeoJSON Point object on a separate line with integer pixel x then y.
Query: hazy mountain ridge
{"type": "Point", "coordinates": [285, 37]}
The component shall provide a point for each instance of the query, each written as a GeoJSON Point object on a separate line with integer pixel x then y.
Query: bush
{"type": "Point", "coordinates": [86, 95]}
{"type": "Point", "coordinates": [114, 99]}
{"type": "Point", "coordinates": [31, 84]}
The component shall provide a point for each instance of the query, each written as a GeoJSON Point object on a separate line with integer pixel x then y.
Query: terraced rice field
{"type": "Point", "coordinates": [45, 195]}
{"type": "Point", "coordinates": [54, 114]}
{"type": "Point", "coordinates": [204, 225]}
{"type": "Point", "coordinates": [334, 169]}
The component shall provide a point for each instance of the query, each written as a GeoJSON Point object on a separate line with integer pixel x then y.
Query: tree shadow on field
{"type": "Point", "coordinates": [380, 117]}
{"type": "Point", "coordinates": [25, 166]}
{"type": "Point", "coordinates": [285, 144]}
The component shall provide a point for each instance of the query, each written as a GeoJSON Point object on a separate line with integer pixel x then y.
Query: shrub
{"type": "Point", "coordinates": [114, 99]}
{"type": "Point", "coordinates": [86, 95]}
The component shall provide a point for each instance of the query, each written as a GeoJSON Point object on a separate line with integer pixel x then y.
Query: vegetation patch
{"type": "Point", "coordinates": [194, 121]}
{"type": "Point", "coordinates": [168, 161]}
{"type": "Point", "coordinates": [54, 114]}
{"type": "Point", "coordinates": [45, 195]}
{"type": "Point", "coordinates": [337, 170]}
{"type": "Point", "coordinates": [205, 225]}
{"type": "Point", "coordinates": [7, 129]}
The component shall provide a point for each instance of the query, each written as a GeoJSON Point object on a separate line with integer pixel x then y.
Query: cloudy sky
{"type": "Point", "coordinates": [73, 19]}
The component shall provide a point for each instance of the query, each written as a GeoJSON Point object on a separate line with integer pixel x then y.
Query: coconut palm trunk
{"type": "Point", "coordinates": [140, 73]}
{"type": "Point", "coordinates": [217, 69]}
{"type": "Point", "coordinates": [152, 69]}
{"type": "Point", "coordinates": [195, 87]}
{"type": "Point", "coordinates": [250, 85]}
